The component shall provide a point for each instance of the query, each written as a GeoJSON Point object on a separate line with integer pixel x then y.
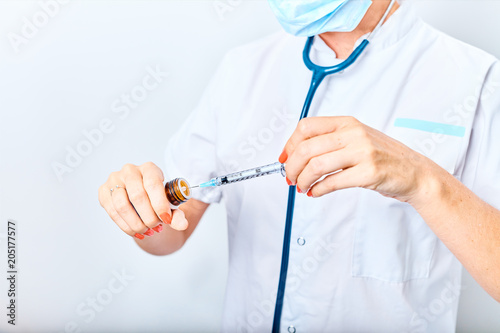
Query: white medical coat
{"type": "Point", "coordinates": [359, 262]}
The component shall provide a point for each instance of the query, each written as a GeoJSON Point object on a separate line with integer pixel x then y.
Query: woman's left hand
{"type": "Point", "coordinates": [357, 155]}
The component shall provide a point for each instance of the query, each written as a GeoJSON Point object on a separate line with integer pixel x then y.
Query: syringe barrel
{"type": "Point", "coordinates": [252, 173]}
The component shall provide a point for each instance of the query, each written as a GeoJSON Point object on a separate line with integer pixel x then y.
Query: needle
{"type": "Point", "coordinates": [195, 186]}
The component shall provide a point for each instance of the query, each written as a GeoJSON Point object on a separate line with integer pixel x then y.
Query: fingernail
{"type": "Point", "coordinates": [166, 218]}
{"type": "Point", "coordinates": [149, 232]}
{"type": "Point", "coordinates": [299, 190]}
{"type": "Point", "coordinates": [283, 157]}
{"type": "Point", "coordinates": [310, 194]}
{"type": "Point", "coordinates": [288, 181]}
{"type": "Point", "coordinates": [139, 236]}
{"type": "Point", "coordinates": [158, 228]}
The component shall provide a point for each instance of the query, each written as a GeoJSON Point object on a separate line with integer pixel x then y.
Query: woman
{"type": "Point", "coordinates": [406, 138]}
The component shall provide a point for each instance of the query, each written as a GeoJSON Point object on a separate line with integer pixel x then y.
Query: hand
{"type": "Point", "coordinates": [138, 203]}
{"type": "Point", "coordinates": [351, 154]}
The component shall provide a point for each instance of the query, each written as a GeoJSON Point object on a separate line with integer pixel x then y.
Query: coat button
{"type": "Point", "coordinates": [301, 241]}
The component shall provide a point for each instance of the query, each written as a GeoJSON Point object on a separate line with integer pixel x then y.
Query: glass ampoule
{"type": "Point", "coordinates": [178, 191]}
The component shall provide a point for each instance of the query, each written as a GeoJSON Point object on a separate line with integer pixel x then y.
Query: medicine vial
{"type": "Point", "coordinates": [178, 191]}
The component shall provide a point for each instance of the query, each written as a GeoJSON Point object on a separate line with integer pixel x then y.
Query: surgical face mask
{"type": "Point", "coordinates": [313, 17]}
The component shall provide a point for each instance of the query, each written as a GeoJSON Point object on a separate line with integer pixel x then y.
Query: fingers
{"type": "Point", "coordinates": [320, 146]}
{"type": "Point", "coordinates": [127, 200]}
{"type": "Point", "coordinates": [138, 202]}
{"type": "Point", "coordinates": [152, 178]}
{"type": "Point", "coordinates": [124, 208]}
{"type": "Point", "coordinates": [311, 127]}
{"type": "Point", "coordinates": [323, 165]}
{"type": "Point", "coordinates": [312, 148]}
{"type": "Point", "coordinates": [179, 221]}
{"type": "Point", "coordinates": [105, 200]}
{"type": "Point", "coordinates": [139, 199]}
{"type": "Point", "coordinates": [333, 153]}
{"type": "Point", "coordinates": [344, 179]}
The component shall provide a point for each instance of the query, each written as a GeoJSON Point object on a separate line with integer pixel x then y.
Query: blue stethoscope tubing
{"type": "Point", "coordinates": [319, 73]}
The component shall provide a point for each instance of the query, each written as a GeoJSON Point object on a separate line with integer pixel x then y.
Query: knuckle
{"type": "Point", "coordinates": [128, 178]}
{"type": "Point", "coordinates": [138, 197]}
{"type": "Point", "coordinates": [372, 171]}
{"type": "Point", "coordinates": [352, 120]}
{"type": "Point", "coordinates": [317, 166]}
{"type": "Point", "coordinates": [151, 223]}
{"type": "Point", "coordinates": [303, 149]}
{"type": "Point", "coordinates": [149, 165]}
{"type": "Point", "coordinates": [128, 168]}
{"type": "Point", "coordinates": [303, 126]}
{"type": "Point", "coordinates": [152, 169]}
{"type": "Point", "coordinates": [115, 217]}
{"type": "Point", "coordinates": [121, 204]}
{"type": "Point", "coordinates": [372, 152]}
{"type": "Point", "coordinates": [152, 183]}
{"type": "Point", "coordinates": [349, 121]}
{"type": "Point", "coordinates": [161, 207]}
{"type": "Point", "coordinates": [112, 176]}
{"type": "Point", "coordinates": [317, 190]}
{"type": "Point", "coordinates": [330, 182]}
{"type": "Point", "coordinates": [139, 229]}
{"type": "Point", "coordinates": [128, 231]}
{"type": "Point", "coordinates": [358, 132]}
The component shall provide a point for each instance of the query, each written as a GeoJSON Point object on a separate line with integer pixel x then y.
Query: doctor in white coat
{"type": "Point", "coordinates": [411, 133]}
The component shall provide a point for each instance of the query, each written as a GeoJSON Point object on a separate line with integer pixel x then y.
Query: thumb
{"type": "Point", "coordinates": [179, 221]}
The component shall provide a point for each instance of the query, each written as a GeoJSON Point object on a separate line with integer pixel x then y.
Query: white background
{"type": "Point", "coordinates": [64, 80]}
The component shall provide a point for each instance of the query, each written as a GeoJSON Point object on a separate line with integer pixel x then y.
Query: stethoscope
{"type": "Point", "coordinates": [318, 74]}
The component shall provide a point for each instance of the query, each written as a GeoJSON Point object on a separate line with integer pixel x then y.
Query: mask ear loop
{"type": "Point", "coordinates": [391, 5]}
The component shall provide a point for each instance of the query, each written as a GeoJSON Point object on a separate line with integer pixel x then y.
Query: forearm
{"type": "Point", "coordinates": [169, 240]}
{"type": "Point", "coordinates": [468, 226]}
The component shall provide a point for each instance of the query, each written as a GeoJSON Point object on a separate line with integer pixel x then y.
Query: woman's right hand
{"type": "Point", "coordinates": [135, 200]}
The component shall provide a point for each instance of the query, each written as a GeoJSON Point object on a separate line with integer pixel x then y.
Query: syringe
{"type": "Point", "coordinates": [244, 175]}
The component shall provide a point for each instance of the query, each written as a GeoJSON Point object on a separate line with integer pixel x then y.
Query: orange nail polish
{"type": "Point", "coordinates": [310, 194]}
{"type": "Point", "coordinates": [288, 181]}
{"type": "Point", "coordinates": [165, 217]}
{"type": "Point", "coordinates": [149, 232]}
{"type": "Point", "coordinates": [139, 236]}
{"type": "Point", "coordinates": [158, 228]}
{"type": "Point", "coordinates": [283, 157]}
{"type": "Point", "coordinates": [299, 190]}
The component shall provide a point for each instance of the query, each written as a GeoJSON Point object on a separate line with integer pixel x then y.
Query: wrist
{"type": "Point", "coordinates": [430, 187]}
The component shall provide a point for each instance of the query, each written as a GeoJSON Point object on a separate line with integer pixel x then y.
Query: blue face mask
{"type": "Point", "coordinates": [313, 17]}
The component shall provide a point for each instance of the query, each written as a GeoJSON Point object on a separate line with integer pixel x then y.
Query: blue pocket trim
{"type": "Point", "coordinates": [430, 126]}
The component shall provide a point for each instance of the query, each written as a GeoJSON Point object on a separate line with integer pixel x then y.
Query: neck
{"type": "Point", "coordinates": [342, 43]}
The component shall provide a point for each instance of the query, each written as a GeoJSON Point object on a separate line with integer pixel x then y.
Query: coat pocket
{"type": "Point", "coordinates": [392, 242]}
